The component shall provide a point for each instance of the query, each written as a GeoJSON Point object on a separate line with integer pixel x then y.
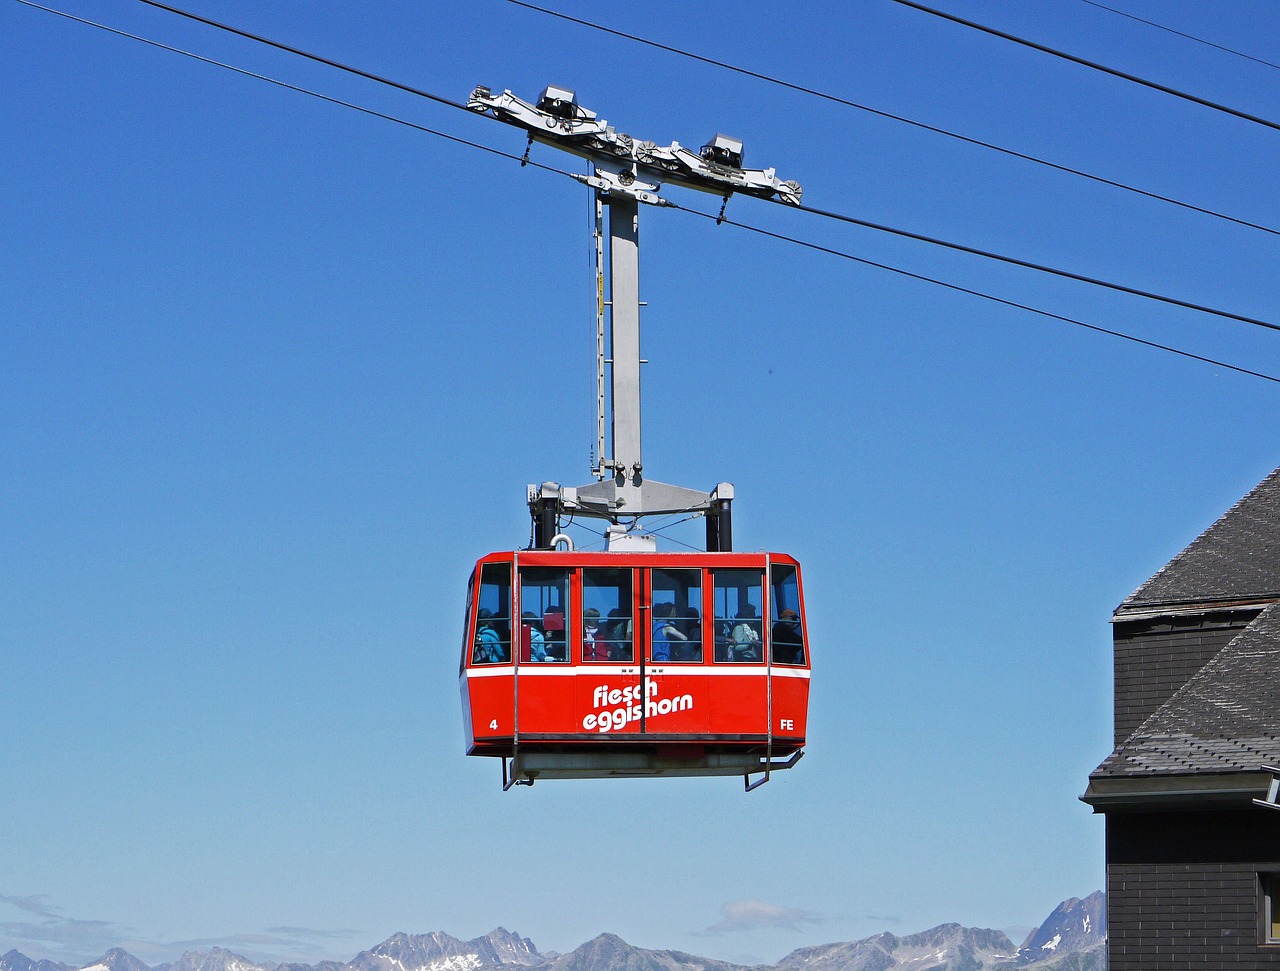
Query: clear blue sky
{"type": "Point", "coordinates": [274, 373]}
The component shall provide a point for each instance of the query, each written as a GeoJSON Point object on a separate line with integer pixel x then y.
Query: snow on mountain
{"type": "Point", "coordinates": [1073, 938]}
{"type": "Point", "coordinates": [441, 952]}
{"type": "Point", "coordinates": [1074, 925]}
{"type": "Point", "coordinates": [511, 948]}
{"type": "Point", "coordinates": [116, 959]}
{"type": "Point", "coordinates": [948, 947]}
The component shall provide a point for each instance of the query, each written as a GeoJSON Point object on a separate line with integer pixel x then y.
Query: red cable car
{"type": "Point", "coordinates": [631, 662]}
{"type": "Point", "coordinates": [592, 665]}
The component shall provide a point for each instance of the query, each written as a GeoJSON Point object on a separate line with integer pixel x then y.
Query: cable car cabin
{"type": "Point", "coordinates": [597, 665]}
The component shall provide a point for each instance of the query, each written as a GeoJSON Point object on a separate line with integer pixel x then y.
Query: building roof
{"type": "Point", "coordinates": [1236, 559]}
{"type": "Point", "coordinates": [1217, 735]}
{"type": "Point", "coordinates": [1225, 719]}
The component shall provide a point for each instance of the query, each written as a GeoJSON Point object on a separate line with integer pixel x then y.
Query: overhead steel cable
{"type": "Point", "coordinates": [972, 292]}
{"type": "Point", "coordinates": [718, 219]}
{"type": "Point", "coordinates": [419, 92]}
{"type": "Point", "coordinates": [1094, 65]}
{"type": "Point", "coordinates": [831, 215]}
{"type": "Point", "coordinates": [1192, 37]}
{"type": "Point", "coordinates": [1039, 267]}
{"type": "Point", "coordinates": [924, 126]}
{"type": "Point", "coordinates": [294, 87]}
{"type": "Point", "coordinates": [358, 72]}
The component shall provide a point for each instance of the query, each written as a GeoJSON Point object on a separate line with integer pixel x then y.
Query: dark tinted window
{"type": "Point", "coordinates": [737, 622]}
{"type": "Point", "coordinates": [786, 632]}
{"type": "Point", "coordinates": [493, 616]}
{"type": "Point", "coordinates": [606, 615]}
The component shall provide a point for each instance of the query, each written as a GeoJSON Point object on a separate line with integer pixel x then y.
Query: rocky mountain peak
{"type": "Point", "coordinates": [15, 960]}
{"type": "Point", "coordinates": [214, 959]}
{"type": "Point", "coordinates": [947, 947]}
{"type": "Point", "coordinates": [1073, 937]}
{"type": "Point", "coordinates": [1074, 925]}
{"type": "Point", "coordinates": [116, 959]}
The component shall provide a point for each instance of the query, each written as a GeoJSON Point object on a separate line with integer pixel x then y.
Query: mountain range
{"type": "Point", "coordinates": [1073, 938]}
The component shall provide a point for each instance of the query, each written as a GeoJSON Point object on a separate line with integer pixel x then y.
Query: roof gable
{"type": "Point", "coordinates": [1225, 719]}
{"type": "Point", "coordinates": [1235, 559]}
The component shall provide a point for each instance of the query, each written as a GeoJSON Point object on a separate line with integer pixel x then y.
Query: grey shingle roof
{"type": "Point", "coordinates": [1237, 558]}
{"type": "Point", "coordinates": [1225, 719]}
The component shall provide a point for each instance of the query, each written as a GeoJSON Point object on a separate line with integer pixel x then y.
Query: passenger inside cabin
{"type": "Point", "coordinates": [787, 644]}
{"type": "Point", "coordinates": [619, 635]}
{"type": "Point", "coordinates": [745, 635]}
{"type": "Point", "coordinates": [533, 643]}
{"type": "Point", "coordinates": [691, 625]}
{"type": "Point", "coordinates": [489, 648]}
{"type": "Point", "coordinates": [595, 637]}
{"type": "Point", "coordinates": [668, 639]}
{"type": "Point", "coordinates": [553, 632]}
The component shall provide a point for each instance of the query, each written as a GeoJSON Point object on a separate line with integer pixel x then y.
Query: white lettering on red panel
{"type": "Point", "coordinates": [627, 710]}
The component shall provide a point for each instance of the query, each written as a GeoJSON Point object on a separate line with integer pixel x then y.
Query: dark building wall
{"type": "Point", "coordinates": [1154, 658]}
{"type": "Point", "coordinates": [1182, 889]}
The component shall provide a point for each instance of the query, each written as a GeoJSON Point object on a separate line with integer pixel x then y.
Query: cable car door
{"type": "Point", "coordinates": [678, 692]}
{"type": "Point", "coordinates": [741, 678]}
{"type": "Point", "coordinates": [542, 641]}
{"type": "Point", "coordinates": [607, 698]}
{"type": "Point", "coordinates": [487, 684]}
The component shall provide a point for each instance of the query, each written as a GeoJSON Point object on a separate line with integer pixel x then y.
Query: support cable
{"type": "Point", "coordinates": [419, 92]}
{"type": "Point", "coordinates": [1094, 65]}
{"type": "Point", "coordinates": [299, 89]}
{"type": "Point", "coordinates": [524, 160]}
{"type": "Point", "coordinates": [979, 293]}
{"type": "Point", "coordinates": [1198, 40]}
{"type": "Point", "coordinates": [308, 55]}
{"type": "Point", "coordinates": [1013, 153]}
{"type": "Point", "coordinates": [740, 225]}
{"type": "Point", "coordinates": [1040, 267]}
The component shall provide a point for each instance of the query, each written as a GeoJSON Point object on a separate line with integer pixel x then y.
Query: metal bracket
{"type": "Point", "coordinates": [1273, 790]}
{"type": "Point", "coordinates": [770, 764]}
{"type": "Point", "coordinates": [557, 119]}
{"type": "Point", "coordinates": [509, 777]}
{"type": "Point", "coordinates": [613, 184]}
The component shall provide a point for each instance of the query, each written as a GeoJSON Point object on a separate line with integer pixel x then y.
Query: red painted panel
{"type": "Point", "coordinates": [491, 706]}
{"type": "Point", "coordinates": [790, 706]}
{"type": "Point", "coordinates": [601, 700]}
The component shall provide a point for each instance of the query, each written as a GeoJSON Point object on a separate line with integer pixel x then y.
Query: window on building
{"type": "Point", "coordinates": [1269, 886]}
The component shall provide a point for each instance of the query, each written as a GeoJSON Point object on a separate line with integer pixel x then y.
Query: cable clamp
{"type": "Point", "coordinates": [723, 206]}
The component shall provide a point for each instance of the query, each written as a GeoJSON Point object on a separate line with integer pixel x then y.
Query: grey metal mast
{"type": "Point", "coordinates": [624, 288]}
{"type": "Point", "coordinates": [625, 173]}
